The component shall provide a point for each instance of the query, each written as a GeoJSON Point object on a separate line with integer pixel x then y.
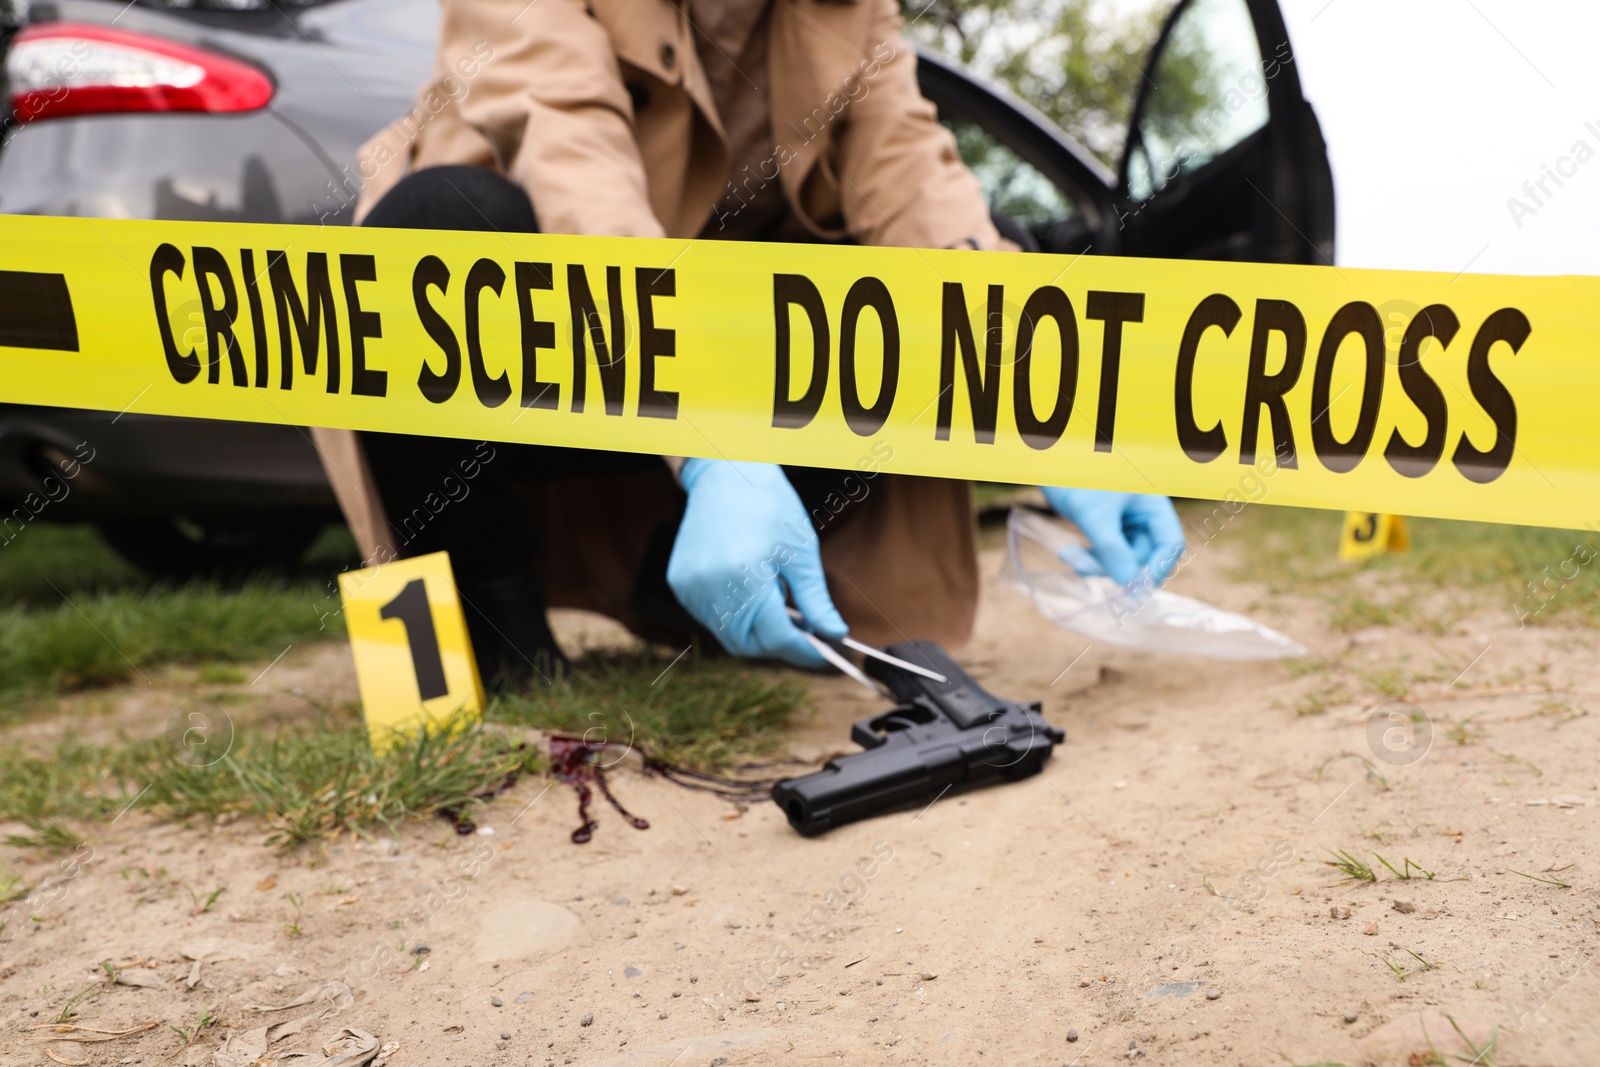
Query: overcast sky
{"type": "Point", "coordinates": [1437, 111]}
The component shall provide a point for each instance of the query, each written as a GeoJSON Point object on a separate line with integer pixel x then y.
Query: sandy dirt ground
{"type": "Point", "coordinates": [1157, 893]}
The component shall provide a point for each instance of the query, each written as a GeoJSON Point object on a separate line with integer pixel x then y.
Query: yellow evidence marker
{"type": "Point", "coordinates": [1367, 534]}
{"type": "Point", "coordinates": [414, 660]}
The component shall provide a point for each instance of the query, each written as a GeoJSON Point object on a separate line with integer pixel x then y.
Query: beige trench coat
{"type": "Point", "coordinates": [601, 110]}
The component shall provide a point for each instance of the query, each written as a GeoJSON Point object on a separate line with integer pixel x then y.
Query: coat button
{"type": "Point", "coordinates": [669, 54]}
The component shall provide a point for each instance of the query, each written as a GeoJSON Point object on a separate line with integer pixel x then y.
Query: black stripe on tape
{"type": "Point", "coordinates": [36, 311]}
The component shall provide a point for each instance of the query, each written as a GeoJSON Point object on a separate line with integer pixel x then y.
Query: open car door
{"type": "Point", "coordinates": [1224, 157]}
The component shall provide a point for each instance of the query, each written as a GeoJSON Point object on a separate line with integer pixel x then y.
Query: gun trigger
{"type": "Point", "coordinates": [862, 733]}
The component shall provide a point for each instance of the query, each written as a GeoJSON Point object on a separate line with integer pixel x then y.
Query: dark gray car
{"type": "Point", "coordinates": [250, 110]}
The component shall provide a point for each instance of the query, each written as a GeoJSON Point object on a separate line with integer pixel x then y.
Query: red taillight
{"type": "Point", "coordinates": [70, 68]}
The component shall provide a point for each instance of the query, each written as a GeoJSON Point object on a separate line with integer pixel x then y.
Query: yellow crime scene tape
{"type": "Point", "coordinates": [1142, 375]}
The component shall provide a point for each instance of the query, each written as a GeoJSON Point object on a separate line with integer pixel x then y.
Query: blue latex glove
{"type": "Point", "coordinates": [1128, 532]}
{"type": "Point", "coordinates": [745, 536]}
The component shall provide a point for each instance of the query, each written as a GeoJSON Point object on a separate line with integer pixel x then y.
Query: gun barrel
{"type": "Point", "coordinates": [866, 783]}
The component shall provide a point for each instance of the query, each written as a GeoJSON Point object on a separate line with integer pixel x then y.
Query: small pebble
{"type": "Point", "coordinates": [1072, 1035]}
{"type": "Point", "coordinates": [1404, 907]}
{"type": "Point", "coordinates": [497, 1002]}
{"type": "Point", "coordinates": [631, 972]}
{"type": "Point", "coordinates": [587, 1020]}
{"type": "Point", "coordinates": [1350, 1016]}
{"type": "Point", "coordinates": [677, 992]}
{"type": "Point", "coordinates": [679, 890]}
{"type": "Point", "coordinates": [1338, 912]}
{"type": "Point", "coordinates": [879, 982]}
{"type": "Point", "coordinates": [663, 1015]}
{"type": "Point", "coordinates": [505, 1035]}
{"type": "Point", "coordinates": [1213, 994]}
{"type": "Point", "coordinates": [927, 976]}
{"type": "Point", "coordinates": [1371, 930]}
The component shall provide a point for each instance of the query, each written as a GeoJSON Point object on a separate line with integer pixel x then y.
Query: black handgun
{"type": "Point", "coordinates": [941, 734]}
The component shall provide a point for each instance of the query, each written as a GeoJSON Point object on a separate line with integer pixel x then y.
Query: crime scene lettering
{"type": "Point", "coordinates": [601, 342]}
{"type": "Point", "coordinates": [790, 291]}
{"type": "Point", "coordinates": [1279, 327]}
{"type": "Point", "coordinates": [307, 311]}
{"type": "Point", "coordinates": [983, 379]}
{"type": "Point", "coordinates": [307, 316]}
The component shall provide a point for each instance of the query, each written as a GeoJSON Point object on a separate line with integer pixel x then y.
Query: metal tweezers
{"type": "Point", "coordinates": [825, 648]}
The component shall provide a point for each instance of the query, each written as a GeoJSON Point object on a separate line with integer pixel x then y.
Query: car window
{"type": "Point", "coordinates": [1208, 93]}
{"type": "Point", "coordinates": [1012, 186]}
{"type": "Point", "coordinates": [1080, 63]}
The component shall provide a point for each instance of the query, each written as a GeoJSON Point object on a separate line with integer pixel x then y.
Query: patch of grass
{"type": "Point", "coordinates": [188, 1035]}
{"type": "Point", "coordinates": [1561, 712]}
{"type": "Point", "coordinates": [46, 560]}
{"type": "Point", "coordinates": [45, 834]}
{"type": "Point", "coordinates": [1357, 610]}
{"type": "Point", "coordinates": [85, 995]}
{"type": "Point", "coordinates": [74, 616]}
{"type": "Point", "coordinates": [1461, 730]}
{"type": "Point", "coordinates": [706, 713]}
{"type": "Point", "coordinates": [1539, 576]}
{"type": "Point", "coordinates": [203, 906]}
{"type": "Point", "coordinates": [1481, 1055]}
{"type": "Point", "coordinates": [1519, 761]}
{"type": "Point", "coordinates": [11, 886]}
{"type": "Point", "coordinates": [219, 674]}
{"type": "Point", "coordinates": [102, 639]}
{"type": "Point", "coordinates": [318, 777]}
{"type": "Point", "coordinates": [1317, 700]}
{"type": "Point", "coordinates": [307, 780]}
{"type": "Point", "coordinates": [1373, 774]}
{"type": "Point", "coordinates": [1405, 873]}
{"type": "Point", "coordinates": [1353, 869]}
{"type": "Point", "coordinates": [1399, 969]}
{"type": "Point", "coordinates": [1393, 682]}
{"type": "Point", "coordinates": [1558, 883]}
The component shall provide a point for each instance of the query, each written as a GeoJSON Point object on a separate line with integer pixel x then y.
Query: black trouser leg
{"type": "Point", "coordinates": [457, 496]}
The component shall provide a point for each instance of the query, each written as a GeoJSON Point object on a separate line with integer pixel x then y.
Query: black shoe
{"type": "Point", "coordinates": [510, 633]}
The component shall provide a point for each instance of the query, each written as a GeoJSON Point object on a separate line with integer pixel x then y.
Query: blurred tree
{"type": "Point", "coordinates": [1078, 61]}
